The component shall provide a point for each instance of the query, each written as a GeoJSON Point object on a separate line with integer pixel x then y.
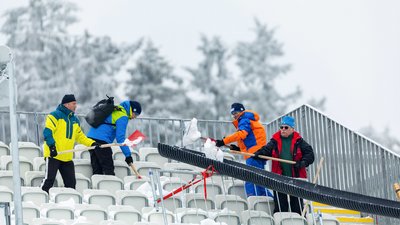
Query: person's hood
{"type": "Point", "coordinates": [251, 115]}
{"type": "Point", "coordinates": [127, 107]}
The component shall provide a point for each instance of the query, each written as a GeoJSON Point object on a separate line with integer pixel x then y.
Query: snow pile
{"type": "Point", "coordinates": [68, 202]}
{"type": "Point", "coordinates": [211, 222]}
{"type": "Point", "coordinates": [82, 220]}
{"type": "Point", "coordinates": [146, 189]}
{"type": "Point", "coordinates": [212, 151]}
{"type": "Point", "coordinates": [192, 133]}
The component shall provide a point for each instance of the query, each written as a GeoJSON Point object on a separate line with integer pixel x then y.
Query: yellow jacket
{"type": "Point", "coordinates": [62, 129]}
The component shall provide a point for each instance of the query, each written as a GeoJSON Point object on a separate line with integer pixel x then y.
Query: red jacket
{"type": "Point", "coordinates": [300, 150]}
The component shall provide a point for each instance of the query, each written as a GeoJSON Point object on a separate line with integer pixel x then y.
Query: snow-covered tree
{"type": "Point", "coordinates": [154, 84]}
{"type": "Point", "coordinates": [212, 80]}
{"type": "Point", "coordinates": [37, 34]}
{"type": "Point", "coordinates": [98, 60]}
{"type": "Point", "coordinates": [259, 70]}
{"type": "Point", "coordinates": [51, 62]}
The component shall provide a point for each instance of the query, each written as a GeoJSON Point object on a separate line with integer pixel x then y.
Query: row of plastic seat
{"type": "Point", "coordinates": [129, 214]}
{"type": "Point", "coordinates": [26, 149]}
{"type": "Point", "coordinates": [139, 199]}
{"type": "Point", "coordinates": [214, 185]}
{"type": "Point", "coordinates": [83, 166]}
{"type": "Point", "coordinates": [124, 215]}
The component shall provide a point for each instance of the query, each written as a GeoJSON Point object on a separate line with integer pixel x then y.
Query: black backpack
{"type": "Point", "coordinates": [99, 112]}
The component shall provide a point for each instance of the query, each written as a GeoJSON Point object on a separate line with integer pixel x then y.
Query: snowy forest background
{"type": "Point", "coordinates": [52, 62]}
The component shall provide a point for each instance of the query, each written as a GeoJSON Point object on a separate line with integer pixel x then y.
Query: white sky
{"type": "Point", "coordinates": [345, 50]}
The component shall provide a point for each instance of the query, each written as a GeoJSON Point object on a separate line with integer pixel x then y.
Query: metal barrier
{"type": "Point", "coordinates": [352, 162]}
{"type": "Point", "coordinates": [171, 131]}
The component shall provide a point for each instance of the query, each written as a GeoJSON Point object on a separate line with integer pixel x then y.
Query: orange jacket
{"type": "Point", "coordinates": [250, 133]}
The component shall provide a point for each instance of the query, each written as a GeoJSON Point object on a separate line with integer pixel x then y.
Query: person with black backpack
{"type": "Point", "coordinates": [112, 127]}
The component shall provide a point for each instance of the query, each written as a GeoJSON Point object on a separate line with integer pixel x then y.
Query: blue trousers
{"type": "Point", "coordinates": [252, 189]}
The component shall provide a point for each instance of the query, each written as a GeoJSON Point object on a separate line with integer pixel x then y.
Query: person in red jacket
{"type": "Point", "coordinates": [288, 144]}
{"type": "Point", "coordinates": [250, 136]}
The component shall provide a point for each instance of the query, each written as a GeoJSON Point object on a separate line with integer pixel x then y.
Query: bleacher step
{"type": "Point", "coordinates": [344, 216]}
{"type": "Point", "coordinates": [355, 220]}
{"type": "Point", "coordinates": [338, 212]}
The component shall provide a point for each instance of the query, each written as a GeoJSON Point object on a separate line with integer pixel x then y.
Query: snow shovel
{"type": "Point", "coordinates": [250, 154]}
{"type": "Point", "coordinates": [192, 135]}
{"type": "Point", "coordinates": [135, 138]}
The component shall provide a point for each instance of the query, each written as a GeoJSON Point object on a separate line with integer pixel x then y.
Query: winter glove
{"type": "Point", "coordinates": [129, 160]}
{"type": "Point", "coordinates": [300, 164]}
{"type": "Point", "coordinates": [234, 148]}
{"type": "Point", "coordinates": [53, 151]}
{"type": "Point", "coordinates": [259, 152]}
{"type": "Point", "coordinates": [219, 143]}
{"type": "Point", "coordinates": [256, 154]}
{"type": "Point", "coordinates": [96, 144]}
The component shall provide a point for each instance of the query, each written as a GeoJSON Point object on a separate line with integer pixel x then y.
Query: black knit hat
{"type": "Point", "coordinates": [136, 108]}
{"type": "Point", "coordinates": [237, 107]}
{"type": "Point", "coordinates": [68, 98]}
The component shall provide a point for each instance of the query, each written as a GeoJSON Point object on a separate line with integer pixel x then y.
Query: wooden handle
{"type": "Point", "coordinates": [250, 154]}
{"type": "Point", "coordinates": [263, 157]}
{"type": "Point", "coordinates": [314, 182]}
{"type": "Point", "coordinates": [135, 171]}
{"type": "Point", "coordinates": [88, 148]}
{"type": "Point", "coordinates": [397, 190]}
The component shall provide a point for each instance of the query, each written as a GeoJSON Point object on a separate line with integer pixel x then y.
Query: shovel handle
{"type": "Point", "coordinates": [314, 182]}
{"type": "Point", "coordinates": [135, 171]}
{"type": "Point", "coordinates": [263, 157]}
{"type": "Point", "coordinates": [88, 148]}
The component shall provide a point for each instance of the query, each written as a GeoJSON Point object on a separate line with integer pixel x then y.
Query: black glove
{"type": "Point", "coordinates": [129, 160]}
{"type": "Point", "coordinates": [53, 151]}
{"type": "Point", "coordinates": [234, 148]}
{"type": "Point", "coordinates": [96, 144]}
{"type": "Point", "coordinates": [219, 143]}
{"type": "Point", "coordinates": [300, 164]}
{"type": "Point", "coordinates": [259, 152]}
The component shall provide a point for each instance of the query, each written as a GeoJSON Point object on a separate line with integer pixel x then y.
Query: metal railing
{"type": "Point", "coordinates": [352, 162]}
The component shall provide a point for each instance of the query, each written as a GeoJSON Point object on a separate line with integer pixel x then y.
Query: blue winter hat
{"type": "Point", "coordinates": [136, 108]}
{"type": "Point", "coordinates": [237, 107]}
{"type": "Point", "coordinates": [288, 120]}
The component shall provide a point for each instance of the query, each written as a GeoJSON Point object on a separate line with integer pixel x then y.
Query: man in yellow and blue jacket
{"type": "Point", "coordinates": [113, 127]}
{"type": "Point", "coordinates": [62, 130]}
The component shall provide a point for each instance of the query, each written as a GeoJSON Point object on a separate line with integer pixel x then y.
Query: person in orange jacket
{"type": "Point", "coordinates": [250, 136]}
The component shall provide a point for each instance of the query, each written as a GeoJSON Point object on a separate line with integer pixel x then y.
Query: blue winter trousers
{"type": "Point", "coordinates": [252, 189]}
